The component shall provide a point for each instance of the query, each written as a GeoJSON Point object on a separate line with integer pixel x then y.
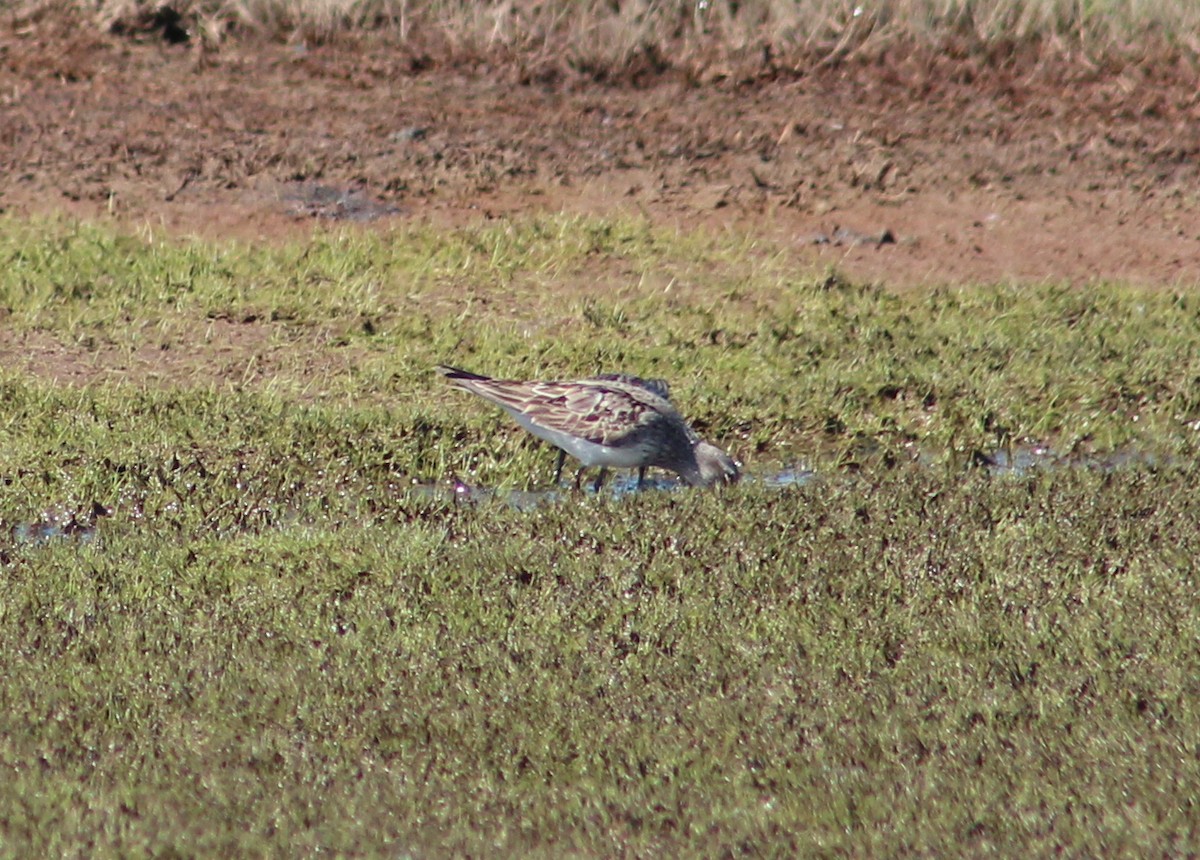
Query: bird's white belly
{"type": "Point", "coordinates": [591, 454]}
{"type": "Point", "coordinates": [587, 453]}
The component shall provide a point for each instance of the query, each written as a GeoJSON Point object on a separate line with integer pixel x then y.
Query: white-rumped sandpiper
{"type": "Point", "coordinates": [611, 421]}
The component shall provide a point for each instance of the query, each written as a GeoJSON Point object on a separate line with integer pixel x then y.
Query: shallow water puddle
{"type": "Point", "coordinates": [617, 487]}
{"type": "Point", "coordinates": [1022, 459]}
{"type": "Point", "coordinates": [76, 526]}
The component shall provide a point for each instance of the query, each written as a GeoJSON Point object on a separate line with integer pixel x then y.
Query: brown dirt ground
{"type": "Point", "coordinates": [1033, 171]}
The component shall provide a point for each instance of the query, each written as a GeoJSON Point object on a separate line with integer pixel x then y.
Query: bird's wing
{"type": "Point", "coordinates": [657, 387]}
{"type": "Point", "coordinates": [604, 413]}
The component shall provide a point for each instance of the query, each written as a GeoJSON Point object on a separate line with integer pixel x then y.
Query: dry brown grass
{"type": "Point", "coordinates": [705, 38]}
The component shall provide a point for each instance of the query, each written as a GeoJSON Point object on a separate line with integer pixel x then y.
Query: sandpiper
{"type": "Point", "coordinates": [612, 420]}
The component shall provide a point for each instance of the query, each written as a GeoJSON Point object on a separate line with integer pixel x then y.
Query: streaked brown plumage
{"type": "Point", "coordinates": [612, 420]}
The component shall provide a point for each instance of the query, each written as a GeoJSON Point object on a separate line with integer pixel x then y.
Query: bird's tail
{"type": "Point", "coordinates": [454, 373]}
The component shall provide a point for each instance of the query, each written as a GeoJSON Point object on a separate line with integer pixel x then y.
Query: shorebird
{"type": "Point", "coordinates": [611, 420]}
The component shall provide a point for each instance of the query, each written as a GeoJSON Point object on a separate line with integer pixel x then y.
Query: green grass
{"type": "Point", "coordinates": [274, 645]}
{"type": "Point", "coordinates": [869, 666]}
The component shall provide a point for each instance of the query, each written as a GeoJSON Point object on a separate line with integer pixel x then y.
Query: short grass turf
{"type": "Point", "coordinates": [276, 644]}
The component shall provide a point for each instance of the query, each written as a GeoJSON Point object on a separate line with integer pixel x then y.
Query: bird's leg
{"type": "Point", "coordinates": [641, 477]}
{"type": "Point", "coordinates": [578, 478]}
{"type": "Point", "coordinates": [599, 479]}
{"type": "Point", "coordinates": [562, 458]}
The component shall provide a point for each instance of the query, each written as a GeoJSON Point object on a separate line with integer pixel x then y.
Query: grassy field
{"type": "Point", "coordinates": [273, 643]}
